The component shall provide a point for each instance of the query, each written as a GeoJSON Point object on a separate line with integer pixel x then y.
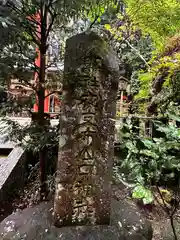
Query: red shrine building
{"type": "Point", "coordinates": [52, 101]}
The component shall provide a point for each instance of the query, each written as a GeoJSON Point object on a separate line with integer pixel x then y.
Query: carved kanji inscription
{"type": "Point", "coordinates": [83, 182]}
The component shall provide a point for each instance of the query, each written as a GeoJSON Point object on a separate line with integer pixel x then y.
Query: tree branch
{"type": "Point", "coordinates": [22, 79]}
{"type": "Point", "coordinates": [137, 52]}
{"type": "Point", "coordinates": [53, 17]}
{"type": "Point", "coordinates": [95, 19]}
{"type": "Point", "coordinates": [55, 91]}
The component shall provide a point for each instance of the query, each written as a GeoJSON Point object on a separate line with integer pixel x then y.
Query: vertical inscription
{"type": "Point", "coordinates": [83, 182]}
{"type": "Point", "coordinates": [83, 187]}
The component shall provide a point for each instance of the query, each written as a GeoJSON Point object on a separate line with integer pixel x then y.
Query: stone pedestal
{"type": "Point", "coordinates": [83, 182]}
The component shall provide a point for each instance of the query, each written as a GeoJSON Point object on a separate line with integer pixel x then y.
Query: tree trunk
{"type": "Point", "coordinates": [41, 97]}
{"type": "Point", "coordinates": [42, 152]}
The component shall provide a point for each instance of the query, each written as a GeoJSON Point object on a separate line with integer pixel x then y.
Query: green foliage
{"type": "Point", "coordinates": [142, 193]}
{"type": "Point", "coordinates": [145, 79]}
{"type": "Point", "coordinates": [159, 18]}
{"type": "Point", "coordinates": [133, 49]}
{"type": "Point", "coordinates": [31, 137]}
{"type": "Point", "coordinates": [155, 20]}
{"type": "Point", "coordinates": [150, 160]}
{"type": "Point", "coordinates": [163, 78]}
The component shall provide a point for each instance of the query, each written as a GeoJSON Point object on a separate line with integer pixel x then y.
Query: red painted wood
{"type": "Point", "coordinates": [46, 102]}
{"type": "Point", "coordinates": [37, 64]}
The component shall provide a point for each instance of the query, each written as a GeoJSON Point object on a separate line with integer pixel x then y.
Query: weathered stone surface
{"type": "Point", "coordinates": [11, 170]}
{"type": "Point", "coordinates": [83, 183]}
{"type": "Point", "coordinates": [36, 224]}
{"type": "Point", "coordinates": [167, 232]}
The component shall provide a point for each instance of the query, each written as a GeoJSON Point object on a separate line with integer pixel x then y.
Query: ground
{"type": "Point", "coordinates": [29, 197]}
{"type": "Point", "coordinates": [126, 224]}
{"type": "Point", "coordinates": [155, 214]}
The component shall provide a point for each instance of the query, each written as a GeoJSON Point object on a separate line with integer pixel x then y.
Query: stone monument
{"type": "Point", "coordinates": [85, 159]}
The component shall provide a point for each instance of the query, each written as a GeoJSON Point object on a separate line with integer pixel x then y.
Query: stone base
{"type": "Point", "coordinates": [167, 232]}
{"type": "Point", "coordinates": [36, 224]}
{"type": "Point", "coordinates": [11, 170]}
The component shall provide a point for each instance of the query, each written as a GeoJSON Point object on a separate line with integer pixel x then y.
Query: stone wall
{"type": "Point", "coordinates": [11, 172]}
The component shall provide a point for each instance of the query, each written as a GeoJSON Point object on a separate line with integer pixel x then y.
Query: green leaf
{"type": "Point", "coordinates": [148, 143]}
{"type": "Point", "coordinates": [107, 26]}
{"type": "Point", "coordinates": [148, 197]}
{"type": "Point", "coordinates": [140, 192]}
{"type": "Point", "coordinates": [131, 147]}
{"type": "Point", "coordinates": [149, 153]}
{"type": "Point", "coordinates": [174, 117]}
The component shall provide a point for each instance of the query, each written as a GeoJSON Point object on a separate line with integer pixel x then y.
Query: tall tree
{"type": "Point", "coordinates": [34, 34]}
